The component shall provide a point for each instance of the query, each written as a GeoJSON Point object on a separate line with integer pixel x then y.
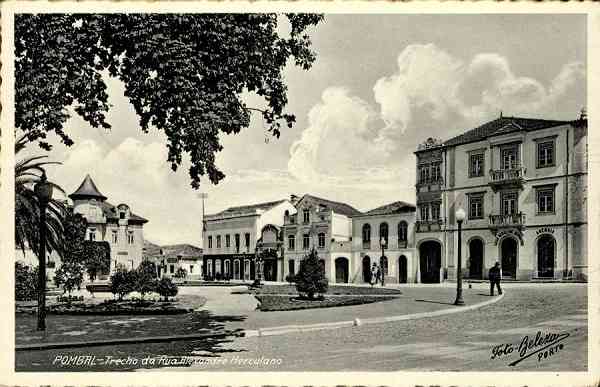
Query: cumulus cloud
{"type": "Point", "coordinates": [431, 93]}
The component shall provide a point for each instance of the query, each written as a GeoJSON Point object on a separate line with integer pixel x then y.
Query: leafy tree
{"type": "Point", "coordinates": [29, 171]}
{"type": "Point", "coordinates": [166, 288]}
{"type": "Point", "coordinates": [25, 282]}
{"type": "Point", "coordinates": [311, 279]}
{"type": "Point", "coordinates": [97, 258]}
{"type": "Point", "coordinates": [75, 227]}
{"type": "Point", "coordinates": [184, 74]}
{"type": "Point", "coordinates": [180, 273]}
{"type": "Point", "coordinates": [123, 282]}
{"type": "Point", "coordinates": [145, 278]}
{"type": "Point", "coordinates": [69, 276]}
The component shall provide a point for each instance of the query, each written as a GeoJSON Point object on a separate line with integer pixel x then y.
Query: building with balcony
{"type": "Point", "coordinates": [385, 235]}
{"type": "Point", "coordinates": [325, 225]}
{"type": "Point", "coordinates": [522, 183]}
{"type": "Point", "coordinates": [234, 237]}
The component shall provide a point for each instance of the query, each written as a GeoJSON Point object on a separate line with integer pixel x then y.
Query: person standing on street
{"type": "Point", "coordinates": [495, 275]}
{"type": "Point", "coordinates": [374, 274]}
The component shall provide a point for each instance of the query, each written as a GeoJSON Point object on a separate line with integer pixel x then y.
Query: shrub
{"type": "Point", "coordinates": [69, 276]}
{"type": "Point", "coordinates": [145, 278]}
{"type": "Point", "coordinates": [25, 282]}
{"type": "Point", "coordinates": [311, 279]}
{"type": "Point", "coordinates": [290, 278]}
{"type": "Point", "coordinates": [123, 282]}
{"type": "Point", "coordinates": [166, 288]}
{"type": "Point", "coordinates": [180, 273]}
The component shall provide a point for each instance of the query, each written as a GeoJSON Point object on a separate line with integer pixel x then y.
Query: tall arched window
{"type": "Point", "coordinates": [383, 232]}
{"type": "Point", "coordinates": [402, 233]}
{"type": "Point", "coordinates": [366, 235]}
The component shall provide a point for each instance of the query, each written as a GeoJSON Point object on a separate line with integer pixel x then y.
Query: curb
{"type": "Point", "coordinates": [138, 340]}
{"type": "Point", "coordinates": [281, 330]}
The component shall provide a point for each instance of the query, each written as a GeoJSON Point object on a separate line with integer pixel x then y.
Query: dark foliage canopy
{"type": "Point", "coordinates": [311, 278]}
{"type": "Point", "coordinates": [183, 74]}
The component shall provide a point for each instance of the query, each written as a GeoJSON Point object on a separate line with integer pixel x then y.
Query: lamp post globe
{"type": "Point", "coordinates": [43, 191]}
{"type": "Point", "coordinates": [460, 217]}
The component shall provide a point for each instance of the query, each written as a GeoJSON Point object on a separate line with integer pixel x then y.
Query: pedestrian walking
{"type": "Point", "coordinates": [495, 275]}
{"type": "Point", "coordinates": [374, 274]}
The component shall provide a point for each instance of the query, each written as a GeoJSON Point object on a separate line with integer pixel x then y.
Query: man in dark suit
{"type": "Point", "coordinates": [495, 275]}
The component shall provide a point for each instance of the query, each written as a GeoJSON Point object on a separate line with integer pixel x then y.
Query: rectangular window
{"type": "Point", "coordinates": [247, 240]}
{"type": "Point", "coordinates": [291, 267]}
{"type": "Point", "coordinates": [191, 269]}
{"type": "Point", "coordinates": [476, 165]}
{"type": "Point", "coordinates": [476, 206]}
{"type": "Point", "coordinates": [424, 212]}
{"type": "Point", "coordinates": [237, 243]}
{"type": "Point", "coordinates": [305, 241]}
{"type": "Point", "coordinates": [172, 269]}
{"type": "Point", "coordinates": [435, 172]}
{"type": "Point", "coordinates": [115, 236]}
{"type": "Point", "coordinates": [321, 240]}
{"type": "Point", "coordinates": [228, 241]}
{"type": "Point", "coordinates": [545, 154]}
{"type": "Point", "coordinates": [218, 241]}
{"type": "Point", "coordinates": [545, 200]}
{"type": "Point", "coordinates": [510, 157]}
{"type": "Point", "coordinates": [210, 241]}
{"type": "Point", "coordinates": [291, 242]}
{"type": "Point", "coordinates": [305, 216]}
{"type": "Point", "coordinates": [130, 237]}
{"type": "Point", "coordinates": [509, 203]}
{"type": "Point", "coordinates": [435, 211]}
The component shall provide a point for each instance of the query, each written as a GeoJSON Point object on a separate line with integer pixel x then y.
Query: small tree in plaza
{"type": "Point", "coordinates": [97, 258]}
{"type": "Point", "coordinates": [145, 278]}
{"type": "Point", "coordinates": [69, 276]}
{"type": "Point", "coordinates": [311, 279]}
{"type": "Point", "coordinates": [180, 273]}
{"type": "Point", "coordinates": [123, 282]}
{"type": "Point", "coordinates": [166, 288]}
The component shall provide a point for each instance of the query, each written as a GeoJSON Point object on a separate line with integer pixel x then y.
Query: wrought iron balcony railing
{"type": "Point", "coordinates": [513, 176]}
{"type": "Point", "coordinates": [508, 220]}
{"type": "Point", "coordinates": [430, 225]}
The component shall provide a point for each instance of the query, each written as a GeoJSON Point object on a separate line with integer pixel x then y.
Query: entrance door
{"type": "Point", "coordinates": [545, 251]}
{"type": "Point", "coordinates": [510, 158]}
{"type": "Point", "coordinates": [476, 259]}
{"type": "Point", "coordinates": [366, 269]}
{"type": "Point", "coordinates": [236, 269]}
{"type": "Point", "coordinates": [509, 203]}
{"type": "Point", "coordinates": [430, 259]}
{"type": "Point", "coordinates": [341, 270]}
{"type": "Point", "coordinates": [509, 251]}
{"type": "Point", "coordinates": [270, 269]}
{"type": "Point", "coordinates": [402, 270]}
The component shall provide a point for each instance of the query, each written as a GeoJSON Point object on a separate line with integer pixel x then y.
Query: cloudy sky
{"type": "Point", "coordinates": [381, 85]}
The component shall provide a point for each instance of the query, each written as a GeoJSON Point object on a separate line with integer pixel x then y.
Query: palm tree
{"type": "Point", "coordinates": [29, 171]}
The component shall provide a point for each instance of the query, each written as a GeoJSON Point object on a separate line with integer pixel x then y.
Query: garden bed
{"type": "Point", "coordinates": [271, 302]}
{"type": "Point", "coordinates": [333, 289]}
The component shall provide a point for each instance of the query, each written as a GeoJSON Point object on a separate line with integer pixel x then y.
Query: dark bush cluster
{"type": "Point", "coordinates": [25, 282]}
{"type": "Point", "coordinates": [142, 280]}
{"type": "Point", "coordinates": [311, 278]}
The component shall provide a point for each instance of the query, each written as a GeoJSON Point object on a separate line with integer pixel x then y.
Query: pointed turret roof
{"type": "Point", "coordinates": [87, 190]}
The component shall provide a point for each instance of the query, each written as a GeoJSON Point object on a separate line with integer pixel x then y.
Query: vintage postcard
{"type": "Point", "coordinates": [299, 193]}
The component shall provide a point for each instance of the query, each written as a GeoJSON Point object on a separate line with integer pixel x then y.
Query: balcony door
{"type": "Point", "coordinates": [510, 203]}
{"type": "Point", "coordinates": [510, 157]}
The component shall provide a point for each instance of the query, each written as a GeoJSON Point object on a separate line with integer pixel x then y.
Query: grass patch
{"type": "Point", "coordinates": [271, 302]}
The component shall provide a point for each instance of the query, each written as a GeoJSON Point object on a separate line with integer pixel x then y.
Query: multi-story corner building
{"type": "Point", "coordinates": [385, 236]}
{"type": "Point", "coordinates": [326, 226]}
{"type": "Point", "coordinates": [523, 185]}
{"type": "Point", "coordinates": [230, 241]}
{"type": "Point", "coordinates": [117, 225]}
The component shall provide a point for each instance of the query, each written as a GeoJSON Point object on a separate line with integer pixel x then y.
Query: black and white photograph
{"type": "Point", "coordinates": [275, 191]}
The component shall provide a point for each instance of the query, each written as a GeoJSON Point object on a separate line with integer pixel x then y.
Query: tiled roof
{"type": "Point", "coordinates": [251, 208]}
{"type": "Point", "coordinates": [392, 208]}
{"type": "Point", "coordinates": [151, 249]}
{"type": "Point", "coordinates": [181, 250]}
{"type": "Point", "coordinates": [110, 212]}
{"type": "Point", "coordinates": [502, 125]}
{"type": "Point", "coordinates": [87, 190]}
{"type": "Point", "coordinates": [337, 207]}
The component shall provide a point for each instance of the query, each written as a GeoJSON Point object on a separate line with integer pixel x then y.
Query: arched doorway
{"type": "Point", "coordinates": [341, 270]}
{"type": "Point", "coordinates": [366, 269]}
{"type": "Point", "coordinates": [545, 254]}
{"type": "Point", "coordinates": [430, 260]}
{"type": "Point", "coordinates": [402, 270]}
{"type": "Point", "coordinates": [236, 269]}
{"type": "Point", "coordinates": [509, 250]}
{"type": "Point", "coordinates": [476, 259]}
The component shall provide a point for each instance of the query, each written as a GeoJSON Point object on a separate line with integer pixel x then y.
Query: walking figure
{"type": "Point", "coordinates": [495, 275]}
{"type": "Point", "coordinates": [374, 274]}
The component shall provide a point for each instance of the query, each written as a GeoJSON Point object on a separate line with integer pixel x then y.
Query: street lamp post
{"type": "Point", "coordinates": [43, 191]}
{"type": "Point", "coordinates": [460, 217]}
{"type": "Point", "coordinates": [381, 261]}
